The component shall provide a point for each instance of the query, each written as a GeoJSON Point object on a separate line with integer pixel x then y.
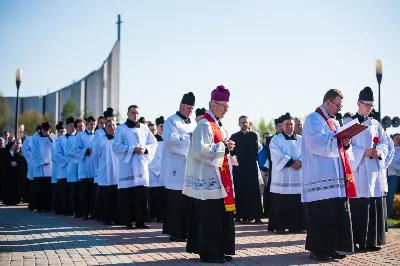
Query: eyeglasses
{"type": "Point", "coordinates": [367, 105]}
{"type": "Point", "coordinates": [337, 105]}
{"type": "Point", "coordinates": [223, 105]}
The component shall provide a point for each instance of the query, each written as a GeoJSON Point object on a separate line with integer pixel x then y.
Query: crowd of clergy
{"type": "Point", "coordinates": [197, 181]}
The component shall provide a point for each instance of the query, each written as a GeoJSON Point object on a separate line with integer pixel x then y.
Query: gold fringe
{"type": "Point", "coordinates": [350, 178]}
{"type": "Point", "coordinates": [230, 208]}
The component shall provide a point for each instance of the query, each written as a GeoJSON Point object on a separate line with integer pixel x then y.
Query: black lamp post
{"type": "Point", "coordinates": [379, 78]}
{"type": "Point", "coordinates": [18, 79]}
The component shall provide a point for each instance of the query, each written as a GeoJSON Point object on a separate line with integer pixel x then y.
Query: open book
{"type": "Point", "coordinates": [350, 130]}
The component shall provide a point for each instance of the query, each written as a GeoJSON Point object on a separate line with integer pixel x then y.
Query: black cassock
{"type": "Point", "coordinates": [13, 177]}
{"type": "Point", "coordinates": [245, 176]}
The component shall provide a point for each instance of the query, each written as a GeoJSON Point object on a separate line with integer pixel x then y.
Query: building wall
{"type": "Point", "coordinates": [92, 94]}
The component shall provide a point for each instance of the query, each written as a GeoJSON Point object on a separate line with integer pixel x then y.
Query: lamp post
{"type": "Point", "coordinates": [18, 79]}
{"type": "Point", "coordinates": [379, 79]}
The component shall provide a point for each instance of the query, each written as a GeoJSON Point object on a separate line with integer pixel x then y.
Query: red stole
{"type": "Point", "coordinates": [224, 171]}
{"type": "Point", "coordinates": [350, 185]}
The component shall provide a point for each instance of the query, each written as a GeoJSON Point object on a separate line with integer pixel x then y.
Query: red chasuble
{"type": "Point", "coordinates": [350, 185]}
{"type": "Point", "coordinates": [224, 171]}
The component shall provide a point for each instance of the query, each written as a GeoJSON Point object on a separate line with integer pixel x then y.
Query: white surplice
{"type": "Point", "coordinates": [368, 172]}
{"type": "Point", "coordinates": [202, 178]}
{"type": "Point", "coordinates": [176, 146]}
{"type": "Point", "coordinates": [285, 180]}
{"type": "Point", "coordinates": [133, 168]}
{"type": "Point", "coordinates": [97, 134]}
{"type": "Point", "coordinates": [322, 169]}
{"type": "Point", "coordinates": [72, 167]}
{"type": "Point", "coordinates": [85, 162]}
{"type": "Point", "coordinates": [106, 161]}
{"type": "Point", "coordinates": [27, 152]}
{"type": "Point", "coordinates": [155, 166]}
{"type": "Point", "coordinates": [54, 161]}
{"type": "Point", "coordinates": [61, 157]}
{"type": "Point", "coordinates": [42, 147]}
{"type": "Point", "coordinates": [388, 160]}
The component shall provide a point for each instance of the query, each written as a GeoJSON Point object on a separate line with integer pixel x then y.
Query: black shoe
{"type": "Point", "coordinates": [238, 220]}
{"type": "Point", "coordinates": [142, 226]}
{"type": "Point", "coordinates": [107, 223]}
{"type": "Point", "coordinates": [175, 239]}
{"type": "Point", "coordinates": [213, 260]}
{"type": "Point", "coordinates": [85, 217]}
{"type": "Point", "coordinates": [258, 221]}
{"type": "Point", "coordinates": [335, 255]}
{"type": "Point", "coordinates": [319, 256]}
{"type": "Point", "coordinates": [128, 225]}
{"type": "Point", "coordinates": [226, 257]}
{"type": "Point", "coordinates": [371, 248]}
{"type": "Point", "coordinates": [280, 232]}
{"type": "Point", "coordinates": [77, 215]}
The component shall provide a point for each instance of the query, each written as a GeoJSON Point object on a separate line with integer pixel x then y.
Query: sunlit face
{"type": "Point", "coordinates": [101, 123]}
{"type": "Point", "coordinates": [244, 124]}
{"type": "Point", "coordinates": [365, 107]}
{"type": "Point", "coordinates": [1, 143]}
{"type": "Point", "coordinates": [45, 132]}
{"type": "Point", "coordinates": [153, 129]}
{"type": "Point", "coordinates": [110, 127]}
{"type": "Point", "coordinates": [278, 128]}
{"type": "Point", "coordinates": [133, 114]}
{"type": "Point", "coordinates": [6, 135]}
{"type": "Point", "coordinates": [333, 107]}
{"type": "Point", "coordinates": [287, 127]}
{"type": "Point", "coordinates": [298, 126]}
{"type": "Point", "coordinates": [396, 140]}
{"type": "Point", "coordinates": [61, 132]}
{"type": "Point", "coordinates": [19, 144]}
{"type": "Point", "coordinates": [220, 108]}
{"type": "Point", "coordinates": [186, 110]}
{"type": "Point", "coordinates": [91, 125]}
{"type": "Point", "coordinates": [70, 128]}
{"type": "Point", "coordinates": [160, 129]}
{"type": "Point", "coordinates": [80, 126]}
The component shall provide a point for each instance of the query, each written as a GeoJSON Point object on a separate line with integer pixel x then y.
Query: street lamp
{"type": "Point", "coordinates": [379, 78]}
{"type": "Point", "coordinates": [18, 79]}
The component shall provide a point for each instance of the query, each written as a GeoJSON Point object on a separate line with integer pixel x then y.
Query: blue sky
{"type": "Point", "coordinates": [274, 56]}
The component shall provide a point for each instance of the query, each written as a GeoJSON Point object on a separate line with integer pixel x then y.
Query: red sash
{"type": "Point", "coordinates": [224, 171]}
{"type": "Point", "coordinates": [351, 191]}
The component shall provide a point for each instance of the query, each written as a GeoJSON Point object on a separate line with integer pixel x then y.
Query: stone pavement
{"type": "Point", "coordinates": [30, 238]}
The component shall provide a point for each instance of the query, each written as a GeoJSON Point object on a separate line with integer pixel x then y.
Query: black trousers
{"type": "Point", "coordinates": [62, 196]}
{"type": "Point", "coordinates": [133, 205]}
{"type": "Point", "coordinates": [106, 203]}
{"type": "Point", "coordinates": [32, 195]}
{"type": "Point", "coordinates": [329, 225]}
{"type": "Point", "coordinates": [176, 214]}
{"type": "Point", "coordinates": [156, 203]}
{"type": "Point", "coordinates": [211, 230]}
{"type": "Point", "coordinates": [93, 201]}
{"type": "Point", "coordinates": [43, 193]}
{"type": "Point", "coordinates": [86, 195]}
{"type": "Point", "coordinates": [74, 198]}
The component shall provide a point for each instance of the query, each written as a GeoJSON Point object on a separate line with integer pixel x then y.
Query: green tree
{"type": "Point", "coordinates": [262, 126]}
{"type": "Point", "coordinates": [69, 109]}
{"type": "Point", "coordinates": [30, 119]}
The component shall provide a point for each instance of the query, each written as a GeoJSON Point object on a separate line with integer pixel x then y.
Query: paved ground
{"type": "Point", "coordinates": [30, 238]}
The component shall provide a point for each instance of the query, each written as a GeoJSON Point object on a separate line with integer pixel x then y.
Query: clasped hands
{"type": "Point", "coordinates": [139, 150]}
{"type": "Point", "coordinates": [296, 165]}
{"type": "Point", "coordinates": [374, 153]}
{"type": "Point", "coordinates": [230, 144]}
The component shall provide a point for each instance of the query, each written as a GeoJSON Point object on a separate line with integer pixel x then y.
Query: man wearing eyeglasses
{"type": "Point", "coordinates": [367, 161]}
{"type": "Point", "coordinates": [326, 177]}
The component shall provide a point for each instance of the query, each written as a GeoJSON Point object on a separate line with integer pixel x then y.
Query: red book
{"type": "Point", "coordinates": [350, 130]}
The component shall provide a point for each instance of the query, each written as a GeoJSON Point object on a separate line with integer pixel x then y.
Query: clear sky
{"type": "Point", "coordinates": [274, 56]}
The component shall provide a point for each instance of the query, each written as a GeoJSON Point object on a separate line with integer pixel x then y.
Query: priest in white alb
{"type": "Point", "coordinates": [135, 146]}
{"type": "Point", "coordinates": [176, 137]}
{"type": "Point", "coordinates": [286, 209]}
{"type": "Point", "coordinates": [328, 182]}
{"type": "Point", "coordinates": [367, 161]}
{"type": "Point", "coordinates": [208, 181]}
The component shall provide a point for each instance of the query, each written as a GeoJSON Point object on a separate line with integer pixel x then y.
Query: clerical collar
{"type": "Point", "coordinates": [131, 124]}
{"type": "Point", "coordinates": [88, 132]}
{"type": "Point", "coordinates": [287, 137]}
{"type": "Point", "coordinates": [158, 137]}
{"type": "Point", "coordinates": [218, 120]}
{"type": "Point", "coordinates": [67, 135]}
{"type": "Point", "coordinates": [360, 118]}
{"type": "Point", "coordinates": [42, 135]}
{"type": "Point", "coordinates": [185, 119]}
{"type": "Point", "coordinates": [109, 136]}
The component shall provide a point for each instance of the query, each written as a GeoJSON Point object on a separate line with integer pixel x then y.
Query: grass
{"type": "Point", "coordinates": [394, 222]}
